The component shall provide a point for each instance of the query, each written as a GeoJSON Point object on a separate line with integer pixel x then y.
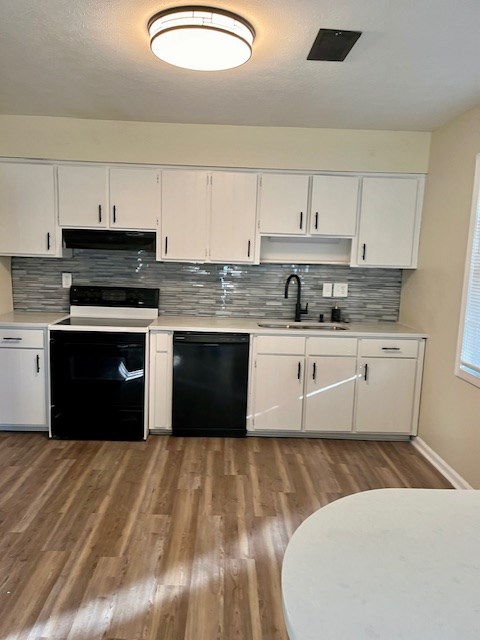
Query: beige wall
{"type": "Point", "coordinates": [431, 297]}
{"type": "Point", "coordinates": [209, 145]}
{"type": "Point", "coordinates": [5, 286]}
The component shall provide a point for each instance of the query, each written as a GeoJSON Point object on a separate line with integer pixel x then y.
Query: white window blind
{"type": "Point", "coordinates": [468, 359]}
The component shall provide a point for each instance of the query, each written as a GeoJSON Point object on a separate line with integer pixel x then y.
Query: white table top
{"type": "Point", "coordinates": [386, 564]}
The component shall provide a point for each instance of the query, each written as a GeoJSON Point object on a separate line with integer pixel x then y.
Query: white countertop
{"type": "Point", "coordinates": [387, 564]}
{"type": "Point", "coordinates": [250, 325]}
{"type": "Point", "coordinates": [30, 319]}
{"type": "Point", "coordinates": [228, 325]}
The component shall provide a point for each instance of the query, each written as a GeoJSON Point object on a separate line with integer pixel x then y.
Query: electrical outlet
{"type": "Point", "coordinates": [327, 290]}
{"type": "Point", "coordinates": [340, 290]}
{"type": "Point", "coordinates": [66, 280]}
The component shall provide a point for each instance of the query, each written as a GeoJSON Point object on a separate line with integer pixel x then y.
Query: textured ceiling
{"type": "Point", "coordinates": [415, 66]}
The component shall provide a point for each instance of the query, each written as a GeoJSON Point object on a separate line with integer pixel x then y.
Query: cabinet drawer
{"type": "Point", "coordinates": [331, 346]}
{"type": "Point", "coordinates": [22, 338]}
{"type": "Point", "coordinates": [280, 345]}
{"type": "Point", "coordinates": [389, 348]}
{"type": "Point", "coordinates": [162, 341]}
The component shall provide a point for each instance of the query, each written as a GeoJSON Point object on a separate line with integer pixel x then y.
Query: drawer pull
{"type": "Point", "coordinates": [390, 348]}
{"type": "Point", "coordinates": [12, 339]}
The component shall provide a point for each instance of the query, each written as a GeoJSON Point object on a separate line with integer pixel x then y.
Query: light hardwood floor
{"type": "Point", "coordinates": [169, 539]}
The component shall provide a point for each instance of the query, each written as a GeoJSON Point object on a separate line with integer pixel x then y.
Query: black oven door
{"type": "Point", "coordinates": [97, 385]}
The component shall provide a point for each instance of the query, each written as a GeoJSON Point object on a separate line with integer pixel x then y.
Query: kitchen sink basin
{"type": "Point", "coordinates": [307, 326]}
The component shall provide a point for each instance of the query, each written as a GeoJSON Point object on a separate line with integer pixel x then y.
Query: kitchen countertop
{"type": "Point", "coordinates": [30, 319]}
{"type": "Point", "coordinates": [249, 325]}
{"type": "Point", "coordinates": [229, 325]}
{"type": "Point", "coordinates": [387, 563]}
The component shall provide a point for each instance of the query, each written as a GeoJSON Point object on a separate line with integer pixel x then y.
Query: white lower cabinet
{"type": "Point", "coordinates": [23, 379]}
{"type": "Point", "coordinates": [161, 367]}
{"type": "Point", "coordinates": [322, 385]}
{"type": "Point", "coordinates": [329, 393]}
{"type": "Point", "coordinates": [389, 378]}
{"type": "Point", "coordinates": [303, 384]}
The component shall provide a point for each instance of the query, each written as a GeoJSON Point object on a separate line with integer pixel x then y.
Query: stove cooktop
{"type": "Point", "coordinates": [74, 321]}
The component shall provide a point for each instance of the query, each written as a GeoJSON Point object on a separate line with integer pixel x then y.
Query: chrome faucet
{"type": "Point", "coordinates": [298, 306]}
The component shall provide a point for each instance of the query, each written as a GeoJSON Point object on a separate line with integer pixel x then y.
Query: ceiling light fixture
{"type": "Point", "coordinates": [201, 38]}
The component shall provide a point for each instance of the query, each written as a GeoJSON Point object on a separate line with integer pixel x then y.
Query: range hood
{"type": "Point", "coordinates": [106, 239]}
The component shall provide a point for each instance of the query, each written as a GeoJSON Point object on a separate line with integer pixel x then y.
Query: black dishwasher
{"type": "Point", "coordinates": [210, 377]}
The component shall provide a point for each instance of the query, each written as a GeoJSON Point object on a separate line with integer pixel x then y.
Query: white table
{"type": "Point", "coordinates": [386, 564]}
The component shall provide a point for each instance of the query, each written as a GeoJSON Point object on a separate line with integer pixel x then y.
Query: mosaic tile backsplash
{"type": "Point", "coordinates": [209, 289]}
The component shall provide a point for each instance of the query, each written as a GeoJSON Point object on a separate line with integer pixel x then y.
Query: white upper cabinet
{"type": "Point", "coordinates": [233, 215]}
{"type": "Point", "coordinates": [134, 198]}
{"type": "Point", "coordinates": [208, 216]}
{"type": "Point", "coordinates": [92, 196]}
{"type": "Point", "coordinates": [334, 206]}
{"type": "Point", "coordinates": [83, 196]}
{"type": "Point", "coordinates": [184, 216]}
{"type": "Point", "coordinates": [389, 223]}
{"type": "Point", "coordinates": [283, 204]}
{"type": "Point", "coordinates": [27, 209]}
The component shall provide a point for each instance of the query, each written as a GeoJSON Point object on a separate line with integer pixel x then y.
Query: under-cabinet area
{"type": "Point", "coordinates": [206, 215]}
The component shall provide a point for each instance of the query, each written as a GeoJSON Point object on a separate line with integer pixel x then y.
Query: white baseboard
{"type": "Point", "coordinates": [439, 463]}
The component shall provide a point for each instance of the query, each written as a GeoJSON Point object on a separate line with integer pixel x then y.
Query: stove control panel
{"type": "Point", "coordinates": [94, 296]}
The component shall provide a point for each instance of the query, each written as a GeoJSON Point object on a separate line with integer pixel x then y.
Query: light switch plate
{"type": "Point", "coordinates": [340, 289]}
{"type": "Point", "coordinates": [66, 280]}
{"type": "Point", "coordinates": [327, 290]}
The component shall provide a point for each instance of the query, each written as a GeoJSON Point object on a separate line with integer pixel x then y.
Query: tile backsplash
{"type": "Point", "coordinates": [209, 289]}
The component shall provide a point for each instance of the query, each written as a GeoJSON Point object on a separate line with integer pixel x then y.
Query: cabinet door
{"type": "Point", "coordinates": [134, 198]}
{"type": "Point", "coordinates": [278, 393]}
{"type": "Point", "coordinates": [334, 205]}
{"type": "Point", "coordinates": [388, 226]}
{"type": "Point", "coordinates": [184, 215]}
{"type": "Point", "coordinates": [27, 209]}
{"type": "Point", "coordinates": [22, 387]}
{"type": "Point", "coordinates": [161, 391]}
{"type": "Point", "coordinates": [385, 395]}
{"type": "Point", "coordinates": [330, 392]}
{"type": "Point", "coordinates": [283, 204]}
{"type": "Point", "coordinates": [233, 214]}
{"type": "Point", "coordinates": [82, 196]}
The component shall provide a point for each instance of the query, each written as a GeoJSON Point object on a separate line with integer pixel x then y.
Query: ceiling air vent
{"type": "Point", "coordinates": [333, 45]}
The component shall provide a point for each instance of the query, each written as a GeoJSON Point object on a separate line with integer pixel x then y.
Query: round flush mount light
{"type": "Point", "coordinates": [201, 38]}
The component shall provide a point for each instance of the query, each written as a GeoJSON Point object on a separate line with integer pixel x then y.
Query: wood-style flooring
{"type": "Point", "coordinates": [168, 539]}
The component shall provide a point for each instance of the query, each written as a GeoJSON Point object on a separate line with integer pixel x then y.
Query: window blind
{"type": "Point", "coordinates": [470, 350]}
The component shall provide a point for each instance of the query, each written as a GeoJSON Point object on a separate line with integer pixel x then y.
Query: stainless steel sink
{"type": "Point", "coordinates": [306, 326]}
